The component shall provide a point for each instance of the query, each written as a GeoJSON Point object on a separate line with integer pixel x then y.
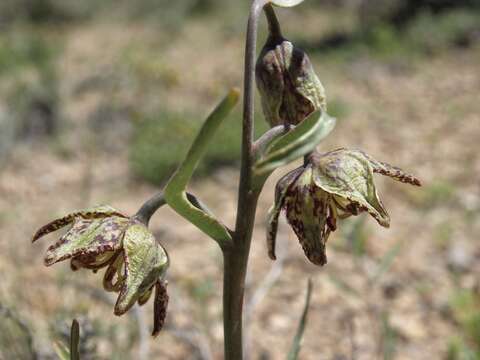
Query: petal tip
{"type": "Point", "coordinates": [385, 223]}
{"type": "Point", "coordinates": [119, 310]}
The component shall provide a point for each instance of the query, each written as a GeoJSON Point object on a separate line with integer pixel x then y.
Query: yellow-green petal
{"type": "Point", "coordinates": [274, 212]}
{"type": "Point", "coordinates": [348, 174]}
{"type": "Point", "coordinates": [145, 262]}
{"type": "Point", "coordinates": [307, 210]}
{"type": "Point", "coordinates": [145, 297]}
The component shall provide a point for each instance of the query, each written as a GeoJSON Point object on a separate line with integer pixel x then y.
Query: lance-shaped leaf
{"type": "Point", "coordinates": [75, 340]}
{"type": "Point", "coordinates": [89, 239]}
{"type": "Point", "coordinates": [296, 143]}
{"type": "Point", "coordinates": [145, 261]}
{"type": "Point", "coordinates": [175, 193]}
{"type": "Point", "coordinates": [286, 3]}
{"type": "Point", "coordinates": [97, 212]}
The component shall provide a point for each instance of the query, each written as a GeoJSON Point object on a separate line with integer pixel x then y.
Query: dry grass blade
{"type": "Point", "coordinates": [297, 340]}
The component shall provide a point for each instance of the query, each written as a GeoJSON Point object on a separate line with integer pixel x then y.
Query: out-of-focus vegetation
{"type": "Point", "coordinates": [388, 33]}
{"type": "Point", "coordinates": [29, 47]}
{"type": "Point", "coordinates": [465, 306]}
{"type": "Point", "coordinates": [158, 145]}
{"type": "Point", "coordinates": [126, 100]}
{"type": "Point", "coordinates": [404, 29]}
{"type": "Point", "coordinates": [29, 88]}
{"type": "Point", "coordinates": [16, 340]}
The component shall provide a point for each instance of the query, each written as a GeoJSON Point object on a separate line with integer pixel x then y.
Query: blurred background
{"type": "Point", "coordinates": [98, 103]}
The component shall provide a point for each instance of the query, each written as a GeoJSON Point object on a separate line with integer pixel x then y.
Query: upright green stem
{"type": "Point", "coordinates": [236, 258]}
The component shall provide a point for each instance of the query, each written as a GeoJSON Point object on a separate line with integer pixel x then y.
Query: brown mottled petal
{"type": "Point", "coordinates": [114, 271]}
{"type": "Point", "coordinates": [307, 212]}
{"type": "Point", "coordinates": [88, 238]}
{"type": "Point", "coordinates": [93, 262]}
{"type": "Point", "coordinates": [90, 213]}
{"type": "Point", "coordinates": [145, 261]}
{"type": "Point", "coordinates": [349, 175]}
{"type": "Point", "coordinates": [101, 211]}
{"type": "Point", "coordinates": [159, 307]}
{"type": "Point", "coordinates": [274, 212]}
{"type": "Point", "coordinates": [332, 217]}
{"type": "Point", "coordinates": [75, 265]}
{"type": "Point", "coordinates": [54, 226]}
{"type": "Point", "coordinates": [394, 172]}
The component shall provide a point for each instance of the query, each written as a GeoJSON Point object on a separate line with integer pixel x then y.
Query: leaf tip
{"type": "Point", "coordinates": [234, 94]}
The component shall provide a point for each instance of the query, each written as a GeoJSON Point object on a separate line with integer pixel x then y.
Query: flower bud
{"type": "Point", "coordinates": [288, 86]}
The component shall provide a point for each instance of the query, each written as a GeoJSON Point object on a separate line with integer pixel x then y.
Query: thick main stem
{"type": "Point", "coordinates": [236, 258]}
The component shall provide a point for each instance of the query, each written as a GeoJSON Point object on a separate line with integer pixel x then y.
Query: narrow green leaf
{"type": "Point", "coordinates": [75, 341]}
{"type": "Point", "coordinates": [204, 221]}
{"type": "Point", "coordinates": [175, 193]}
{"type": "Point", "coordinates": [387, 261]}
{"type": "Point", "coordinates": [62, 351]}
{"type": "Point", "coordinates": [343, 286]}
{"type": "Point", "coordinates": [296, 143]}
{"type": "Point", "coordinates": [182, 176]}
{"type": "Point", "coordinates": [286, 3]}
{"type": "Point", "coordinates": [297, 340]}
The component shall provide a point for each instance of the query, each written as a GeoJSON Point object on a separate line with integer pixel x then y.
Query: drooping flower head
{"type": "Point", "coordinates": [104, 237]}
{"type": "Point", "coordinates": [330, 186]}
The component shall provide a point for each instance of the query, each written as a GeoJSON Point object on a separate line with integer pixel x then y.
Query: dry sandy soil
{"type": "Point", "coordinates": [421, 116]}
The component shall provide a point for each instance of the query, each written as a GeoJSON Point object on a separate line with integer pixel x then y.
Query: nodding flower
{"type": "Point", "coordinates": [288, 86]}
{"type": "Point", "coordinates": [104, 237]}
{"type": "Point", "coordinates": [330, 186]}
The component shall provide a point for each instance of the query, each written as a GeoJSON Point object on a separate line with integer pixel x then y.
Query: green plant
{"type": "Point", "coordinates": [433, 33]}
{"type": "Point", "coordinates": [27, 65]}
{"type": "Point", "coordinates": [465, 306]}
{"type": "Point", "coordinates": [158, 145]}
{"type": "Point", "coordinates": [316, 196]}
